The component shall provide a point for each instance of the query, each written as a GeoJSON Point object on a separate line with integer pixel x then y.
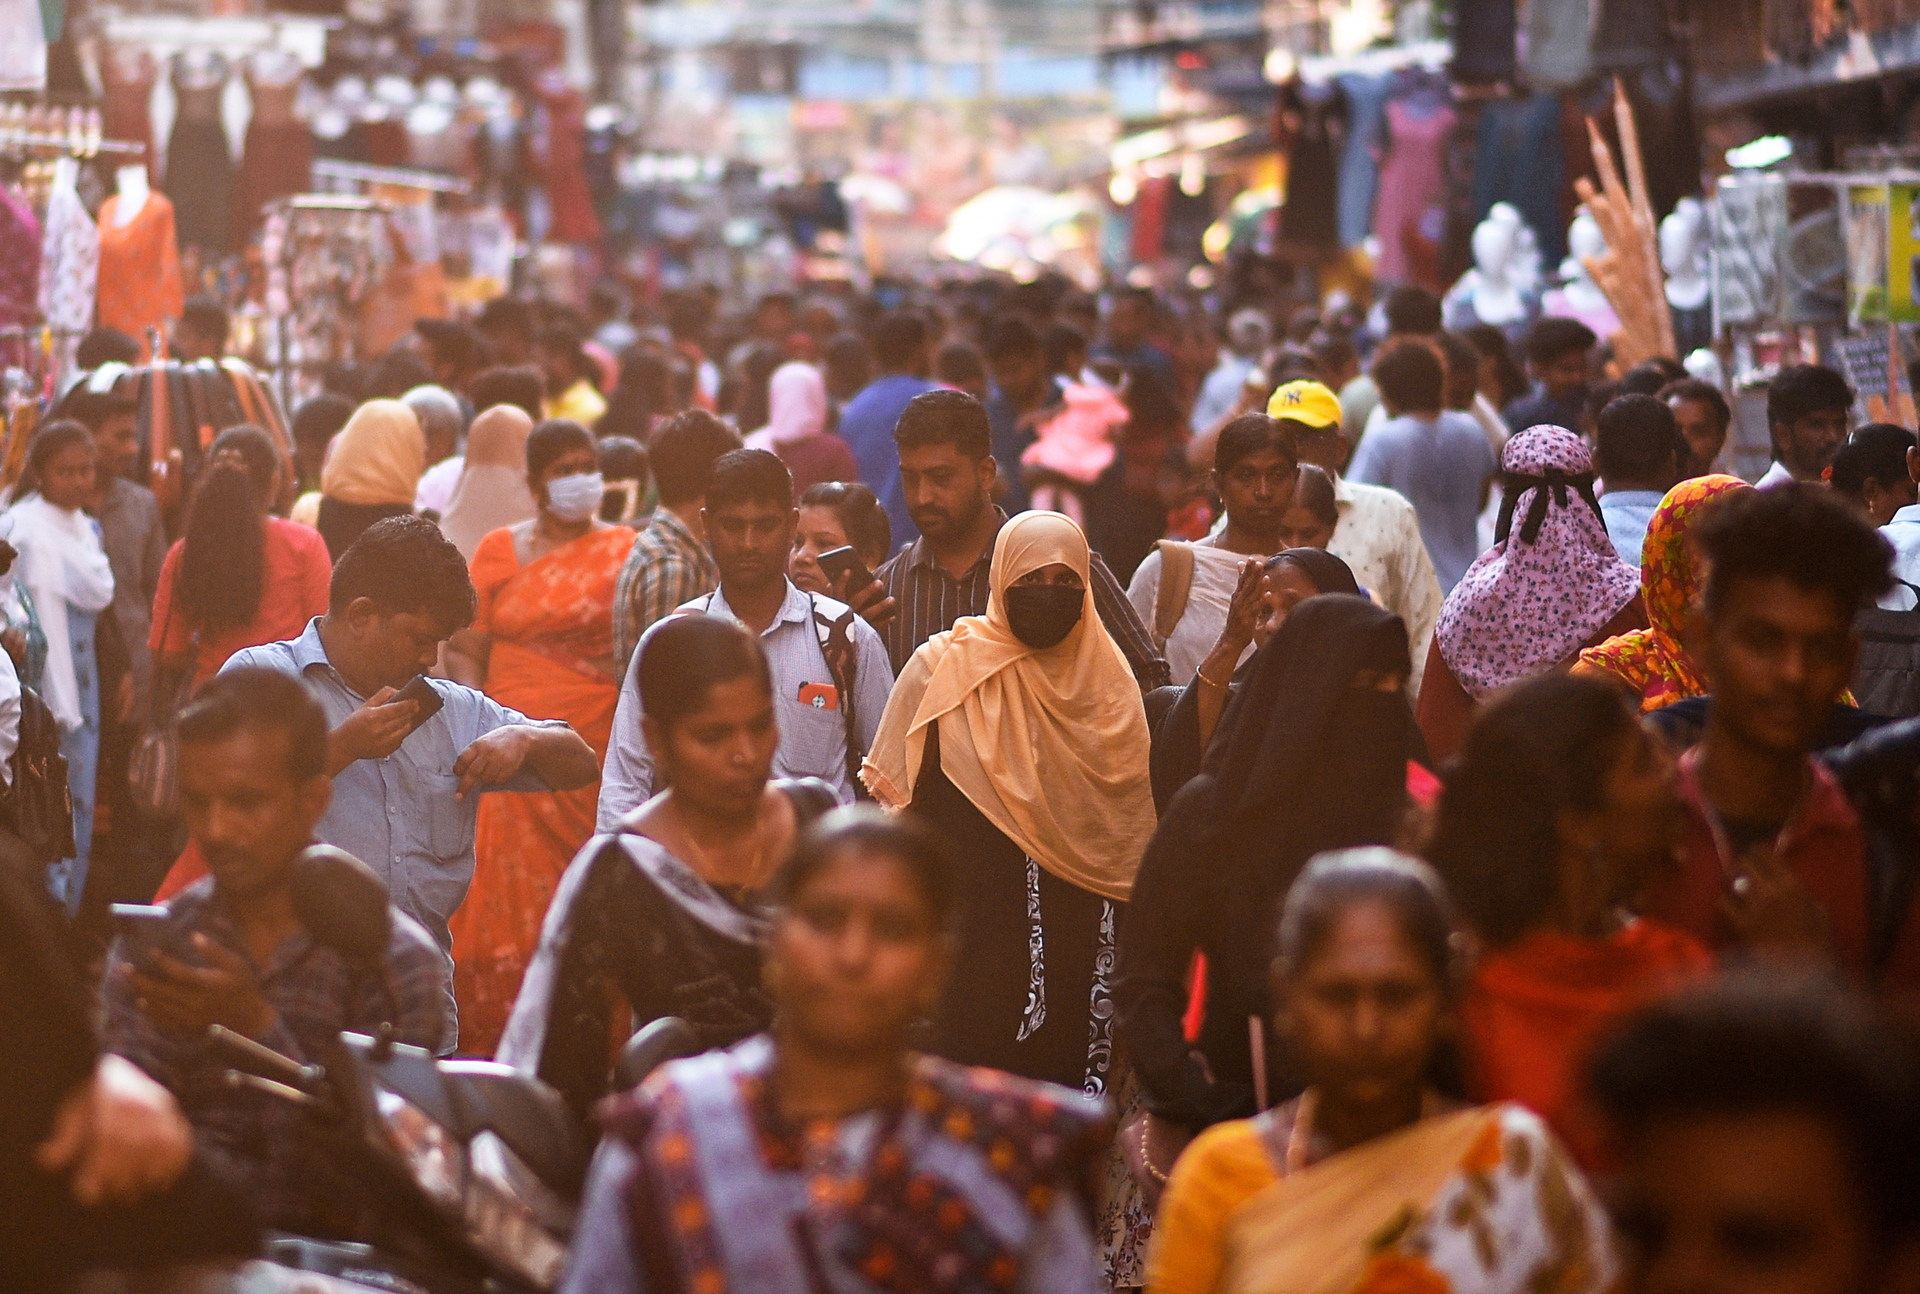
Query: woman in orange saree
{"type": "Point", "coordinates": [541, 642]}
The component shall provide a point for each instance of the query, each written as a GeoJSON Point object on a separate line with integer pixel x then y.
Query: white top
{"type": "Point", "coordinates": [1216, 573]}
{"type": "Point", "coordinates": [1378, 537]}
{"type": "Point", "coordinates": [1903, 532]}
{"type": "Point", "coordinates": [813, 739]}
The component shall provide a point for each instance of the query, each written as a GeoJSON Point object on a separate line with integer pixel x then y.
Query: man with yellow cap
{"type": "Point", "coordinates": [1378, 534]}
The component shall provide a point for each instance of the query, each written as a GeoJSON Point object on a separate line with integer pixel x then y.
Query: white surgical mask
{"type": "Point", "coordinates": [576, 497]}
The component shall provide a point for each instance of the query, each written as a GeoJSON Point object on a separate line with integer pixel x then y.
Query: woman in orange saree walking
{"type": "Point", "coordinates": [542, 642]}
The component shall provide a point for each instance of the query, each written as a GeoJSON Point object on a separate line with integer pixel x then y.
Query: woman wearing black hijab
{"type": "Point", "coordinates": [1311, 755]}
{"type": "Point", "coordinates": [1184, 719]}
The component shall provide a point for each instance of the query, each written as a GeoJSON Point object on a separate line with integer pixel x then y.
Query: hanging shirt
{"type": "Point", "coordinates": [140, 284]}
{"type": "Point", "coordinates": [19, 261]}
{"type": "Point", "coordinates": [69, 260]}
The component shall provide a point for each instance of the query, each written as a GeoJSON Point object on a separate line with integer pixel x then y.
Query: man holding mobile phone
{"type": "Point", "coordinates": [407, 785]}
{"type": "Point", "coordinates": [830, 671]}
{"type": "Point", "coordinates": [253, 784]}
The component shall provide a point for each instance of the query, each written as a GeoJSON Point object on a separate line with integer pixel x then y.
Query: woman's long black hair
{"type": "Point", "coordinates": [223, 558]}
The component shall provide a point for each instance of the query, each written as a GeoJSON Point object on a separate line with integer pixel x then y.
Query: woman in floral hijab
{"type": "Point", "coordinates": [1551, 585]}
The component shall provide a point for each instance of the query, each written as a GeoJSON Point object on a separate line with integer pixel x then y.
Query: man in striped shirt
{"type": "Point", "coordinates": [947, 471]}
{"type": "Point", "coordinates": [668, 564]}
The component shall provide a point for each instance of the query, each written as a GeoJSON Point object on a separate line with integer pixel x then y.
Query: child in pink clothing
{"type": "Point", "coordinates": [1074, 447]}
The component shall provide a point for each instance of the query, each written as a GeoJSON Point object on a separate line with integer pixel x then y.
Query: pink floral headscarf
{"type": "Point", "coordinates": [1530, 601]}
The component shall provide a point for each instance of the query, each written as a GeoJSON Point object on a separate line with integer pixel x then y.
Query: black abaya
{"type": "Point", "coordinates": [1036, 953]}
{"type": "Point", "coordinates": [1303, 762]}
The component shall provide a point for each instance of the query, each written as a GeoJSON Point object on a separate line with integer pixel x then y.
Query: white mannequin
{"type": "Point", "coordinates": [130, 187]}
{"type": "Point", "coordinates": [1706, 366]}
{"type": "Point", "coordinates": [1683, 255]}
{"type": "Point", "coordinates": [1580, 297]}
{"type": "Point", "coordinates": [1494, 288]}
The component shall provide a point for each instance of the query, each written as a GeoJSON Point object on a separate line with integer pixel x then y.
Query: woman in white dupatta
{"type": "Point", "coordinates": [65, 571]}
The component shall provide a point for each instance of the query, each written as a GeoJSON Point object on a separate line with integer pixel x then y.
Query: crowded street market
{"type": "Point", "coordinates": [945, 646]}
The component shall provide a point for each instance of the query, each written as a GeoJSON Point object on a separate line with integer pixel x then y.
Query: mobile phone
{"type": "Point", "coordinates": [147, 929]}
{"type": "Point", "coordinates": [422, 694]}
{"type": "Point", "coordinates": [837, 560]}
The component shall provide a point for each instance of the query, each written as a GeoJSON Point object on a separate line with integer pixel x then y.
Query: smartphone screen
{"type": "Point", "coordinates": [146, 929]}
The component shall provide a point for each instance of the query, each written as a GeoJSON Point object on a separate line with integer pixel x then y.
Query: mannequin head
{"type": "Point", "coordinates": [1683, 254]}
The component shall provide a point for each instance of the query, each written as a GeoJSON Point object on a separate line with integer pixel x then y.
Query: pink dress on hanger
{"type": "Point", "coordinates": [1413, 190]}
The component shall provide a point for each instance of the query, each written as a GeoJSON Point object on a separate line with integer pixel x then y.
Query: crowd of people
{"type": "Point", "coordinates": [1115, 808]}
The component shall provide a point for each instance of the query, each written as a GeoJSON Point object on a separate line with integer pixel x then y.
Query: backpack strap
{"type": "Point", "coordinates": [836, 645]}
{"type": "Point", "coordinates": [1176, 584]}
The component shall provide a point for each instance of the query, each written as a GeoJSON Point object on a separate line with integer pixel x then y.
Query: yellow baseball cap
{"type": "Point", "coordinates": [1306, 402]}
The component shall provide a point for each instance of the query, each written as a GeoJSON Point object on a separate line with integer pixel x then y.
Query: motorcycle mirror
{"type": "Point", "coordinates": [342, 903]}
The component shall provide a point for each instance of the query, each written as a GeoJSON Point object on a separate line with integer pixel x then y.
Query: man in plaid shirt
{"type": "Point", "coordinates": [253, 783]}
{"type": "Point", "coordinates": [668, 565]}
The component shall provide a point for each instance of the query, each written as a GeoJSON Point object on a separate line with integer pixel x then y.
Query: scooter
{"type": "Point", "coordinates": [473, 1169]}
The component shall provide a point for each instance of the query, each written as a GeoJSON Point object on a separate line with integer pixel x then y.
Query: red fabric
{"type": "Point", "coordinates": [186, 869]}
{"type": "Point", "coordinates": [293, 590]}
{"type": "Point", "coordinates": [1822, 842]}
{"type": "Point", "coordinates": [551, 624]}
{"type": "Point", "coordinates": [1535, 1008]}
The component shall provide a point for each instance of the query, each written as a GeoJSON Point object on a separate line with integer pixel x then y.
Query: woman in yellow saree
{"type": "Point", "coordinates": [1372, 1181]}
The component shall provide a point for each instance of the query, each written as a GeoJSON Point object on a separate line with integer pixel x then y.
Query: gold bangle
{"type": "Point", "coordinates": [1201, 674]}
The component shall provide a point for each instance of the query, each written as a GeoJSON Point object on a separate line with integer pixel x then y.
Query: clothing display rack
{"type": "Point", "coordinates": [12, 139]}
{"type": "Point", "coordinates": [324, 258]}
{"type": "Point", "coordinates": [400, 177]}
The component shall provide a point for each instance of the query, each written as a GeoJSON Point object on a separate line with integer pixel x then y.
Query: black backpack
{"type": "Point", "coordinates": [39, 803]}
{"type": "Point", "coordinates": [1886, 682]}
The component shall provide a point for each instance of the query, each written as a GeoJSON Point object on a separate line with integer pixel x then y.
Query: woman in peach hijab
{"type": "Point", "coordinates": [372, 469]}
{"type": "Point", "coordinates": [1021, 736]}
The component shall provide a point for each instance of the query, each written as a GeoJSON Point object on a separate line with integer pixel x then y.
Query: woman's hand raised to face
{"type": "Point", "coordinates": [1247, 608]}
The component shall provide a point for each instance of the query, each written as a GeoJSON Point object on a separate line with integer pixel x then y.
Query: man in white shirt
{"type": "Point", "coordinates": [1378, 535]}
{"type": "Point", "coordinates": [1809, 409]}
{"type": "Point", "coordinates": [1903, 533]}
{"type": "Point", "coordinates": [831, 674]}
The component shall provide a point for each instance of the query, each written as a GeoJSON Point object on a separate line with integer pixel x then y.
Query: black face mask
{"type": "Point", "coordinates": [1042, 615]}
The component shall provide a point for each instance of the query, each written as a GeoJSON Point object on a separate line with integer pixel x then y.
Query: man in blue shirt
{"type": "Point", "coordinates": [1438, 460]}
{"type": "Point", "coordinates": [1557, 355]}
{"type": "Point", "coordinates": [866, 423]}
{"type": "Point", "coordinates": [406, 788]}
{"type": "Point", "coordinates": [1130, 320]}
{"type": "Point", "coordinates": [1025, 394]}
{"type": "Point", "coordinates": [1639, 452]}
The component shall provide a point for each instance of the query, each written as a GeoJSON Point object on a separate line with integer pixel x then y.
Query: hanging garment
{"type": "Point", "coordinates": [1413, 188]}
{"type": "Point", "coordinates": [1559, 43]}
{"type": "Point", "coordinates": [561, 146]}
{"type": "Point", "coordinates": [1366, 98]}
{"type": "Point", "coordinates": [278, 155]}
{"type": "Point", "coordinates": [139, 283]}
{"type": "Point", "coordinates": [1484, 40]}
{"type": "Point", "coordinates": [1517, 160]}
{"type": "Point", "coordinates": [199, 163]}
{"type": "Point", "coordinates": [1309, 218]}
{"type": "Point", "coordinates": [69, 259]}
{"type": "Point", "coordinates": [19, 261]}
{"type": "Point", "coordinates": [23, 54]}
{"type": "Point", "coordinates": [127, 74]}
